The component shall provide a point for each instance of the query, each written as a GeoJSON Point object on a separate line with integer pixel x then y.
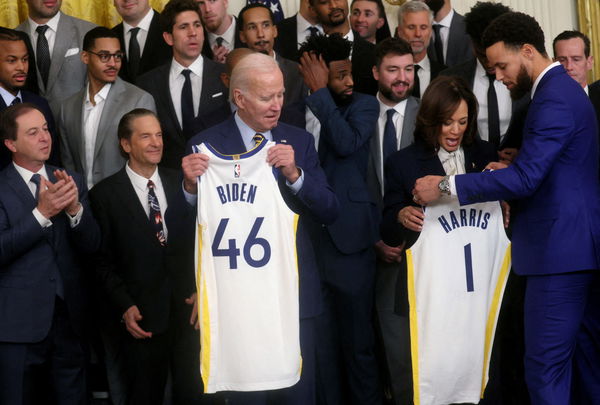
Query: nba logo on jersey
{"type": "Point", "coordinates": [246, 276]}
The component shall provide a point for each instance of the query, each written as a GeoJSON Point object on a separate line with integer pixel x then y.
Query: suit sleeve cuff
{"type": "Point", "coordinates": [452, 182]}
{"type": "Point", "coordinates": [297, 185]}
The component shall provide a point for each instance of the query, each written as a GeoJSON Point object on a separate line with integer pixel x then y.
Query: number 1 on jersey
{"type": "Point", "coordinates": [469, 267]}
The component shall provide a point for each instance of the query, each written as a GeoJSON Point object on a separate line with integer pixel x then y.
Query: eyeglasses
{"type": "Point", "coordinates": [105, 56]}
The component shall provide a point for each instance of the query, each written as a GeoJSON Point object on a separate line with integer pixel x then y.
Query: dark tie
{"type": "Point", "coordinates": [134, 53]}
{"type": "Point", "coordinates": [219, 41]}
{"type": "Point", "coordinates": [390, 143]}
{"type": "Point", "coordinates": [16, 101]}
{"type": "Point", "coordinates": [417, 86]}
{"type": "Point", "coordinates": [493, 114]}
{"type": "Point", "coordinates": [258, 139]}
{"type": "Point", "coordinates": [36, 179]}
{"type": "Point", "coordinates": [43, 53]}
{"type": "Point", "coordinates": [155, 215]}
{"type": "Point", "coordinates": [187, 103]}
{"type": "Point", "coordinates": [439, 47]}
{"type": "Point", "coordinates": [313, 31]}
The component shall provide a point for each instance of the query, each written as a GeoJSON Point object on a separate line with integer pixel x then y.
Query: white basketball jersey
{"type": "Point", "coordinates": [246, 276]}
{"type": "Point", "coordinates": [457, 271]}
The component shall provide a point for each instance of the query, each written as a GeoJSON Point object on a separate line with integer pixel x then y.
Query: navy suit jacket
{"type": "Point", "coordinates": [344, 153]}
{"type": "Point", "coordinates": [42, 104]}
{"type": "Point", "coordinates": [315, 202]}
{"type": "Point", "coordinates": [286, 43]}
{"type": "Point", "coordinates": [555, 180]}
{"type": "Point", "coordinates": [30, 256]}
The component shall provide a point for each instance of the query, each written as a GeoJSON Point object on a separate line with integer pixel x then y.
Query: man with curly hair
{"type": "Point", "coordinates": [556, 226]}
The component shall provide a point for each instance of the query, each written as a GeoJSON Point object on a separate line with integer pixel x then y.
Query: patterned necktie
{"type": "Point", "coordinates": [258, 139]}
{"type": "Point", "coordinates": [36, 179]}
{"type": "Point", "coordinates": [134, 53]}
{"type": "Point", "coordinates": [417, 86]}
{"type": "Point", "coordinates": [439, 47]}
{"type": "Point", "coordinates": [155, 215]}
{"type": "Point", "coordinates": [43, 53]}
{"type": "Point", "coordinates": [493, 113]}
{"type": "Point", "coordinates": [390, 143]}
{"type": "Point", "coordinates": [16, 101]}
{"type": "Point", "coordinates": [187, 103]}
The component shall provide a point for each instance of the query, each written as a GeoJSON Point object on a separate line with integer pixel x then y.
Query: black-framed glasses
{"type": "Point", "coordinates": [105, 56]}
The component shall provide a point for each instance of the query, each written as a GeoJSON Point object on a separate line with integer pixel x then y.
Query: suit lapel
{"type": "Point", "coordinates": [109, 114]}
{"type": "Point", "coordinates": [430, 163]}
{"type": "Point", "coordinates": [62, 42]}
{"type": "Point", "coordinates": [408, 124]}
{"type": "Point", "coordinates": [153, 32]}
{"type": "Point", "coordinates": [16, 182]}
{"type": "Point", "coordinates": [210, 86]}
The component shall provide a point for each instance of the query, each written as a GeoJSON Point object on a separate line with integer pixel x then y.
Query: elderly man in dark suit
{"type": "Point", "coordinates": [146, 267]}
{"type": "Point", "coordinates": [302, 184]}
{"type": "Point", "coordinates": [45, 225]}
{"type": "Point", "coordinates": [141, 39]}
{"type": "Point", "coordinates": [188, 85]}
{"type": "Point", "coordinates": [57, 39]}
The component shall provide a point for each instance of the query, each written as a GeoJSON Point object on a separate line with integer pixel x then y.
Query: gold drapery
{"type": "Point", "coordinates": [589, 24]}
{"type": "Point", "coordinates": [101, 12]}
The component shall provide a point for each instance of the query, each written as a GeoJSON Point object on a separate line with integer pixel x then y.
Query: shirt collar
{"type": "Point", "coordinates": [303, 25]}
{"type": "Point", "coordinates": [144, 24]}
{"type": "Point", "coordinates": [140, 182]}
{"type": "Point", "coordinates": [26, 174]}
{"type": "Point", "coordinates": [539, 78]}
{"type": "Point", "coordinates": [228, 35]}
{"type": "Point", "coordinates": [100, 96]}
{"type": "Point", "coordinates": [446, 21]}
{"type": "Point", "coordinates": [425, 64]}
{"type": "Point", "coordinates": [52, 23]}
{"type": "Point", "coordinates": [587, 89]}
{"type": "Point", "coordinates": [400, 107]}
{"type": "Point", "coordinates": [195, 67]}
{"type": "Point", "coordinates": [8, 97]}
{"type": "Point", "coordinates": [349, 36]}
{"type": "Point", "coordinates": [247, 132]}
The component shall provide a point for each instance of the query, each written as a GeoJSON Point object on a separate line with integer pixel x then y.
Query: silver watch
{"type": "Point", "coordinates": [444, 185]}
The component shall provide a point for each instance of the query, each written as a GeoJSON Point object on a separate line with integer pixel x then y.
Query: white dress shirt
{"type": "Point", "coordinates": [91, 119]}
{"type": "Point", "coordinates": [444, 23]}
{"type": "Point", "coordinates": [176, 81]}
{"type": "Point", "coordinates": [481, 84]}
{"type": "Point", "coordinates": [8, 97]}
{"type": "Point", "coordinates": [140, 186]}
{"type": "Point", "coordinates": [302, 29]}
{"type": "Point", "coordinates": [424, 74]}
{"type": "Point", "coordinates": [50, 32]}
{"type": "Point", "coordinates": [142, 34]}
{"type": "Point", "coordinates": [228, 36]}
{"type": "Point", "coordinates": [453, 162]}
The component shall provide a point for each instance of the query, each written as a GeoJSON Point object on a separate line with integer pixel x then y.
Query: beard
{"type": "Point", "coordinates": [333, 22]}
{"type": "Point", "coordinates": [387, 92]}
{"type": "Point", "coordinates": [523, 85]}
{"type": "Point", "coordinates": [341, 99]}
{"type": "Point", "coordinates": [435, 5]}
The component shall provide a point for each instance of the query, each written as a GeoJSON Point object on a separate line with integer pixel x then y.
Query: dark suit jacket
{"type": "Point", "coordinates": [213, 95]}
{"type": "Point", "coordinates": [363, 60]}
{"type": "Point", "coordinates": [554, 180]}
{"type": "Point", "coordinates": [286, 43]}
{"type": "Point", "coordinates": [155, 53]}
{"type": "Point", "coordinates": [344, 153]}
{"type": "Point", "coordinates": [295, 88]}
{"type": "Point", "coordinates": [460, 48]}
{"type": "Point", "coordinates": [513, 136]}
{"type": "Point", "coordinates": [134, 269]}
{"type": "Point", "coordinates": [315, 202]}
{"type": "Point", "coordinates": [207, 50]}
{"type": "Point", "coordinates": [42, 104]}
{"type": "Point", "coordinates": [594, 93]}
{"type": "Point", "coordinates": [30, 256]}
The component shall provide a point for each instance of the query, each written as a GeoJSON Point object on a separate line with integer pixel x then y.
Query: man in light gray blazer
{"type": "Point", "coordinates": [395, 75]}
{"type": "Point", "coordinates": [60, 72]}
{"type": "Point", "coordinates": [88, 119]}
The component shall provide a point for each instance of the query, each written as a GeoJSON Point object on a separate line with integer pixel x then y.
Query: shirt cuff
{"type": "Point", "coordinates": [76, 219]}
{"type": "Point", "coordinates": [191, 199]}
{"type": "Point", "coordinates": [297, 184]}
{"type": "Point", "coordinates": [452, 185]}
{"type": "Point", "coordinates": [42, 220]}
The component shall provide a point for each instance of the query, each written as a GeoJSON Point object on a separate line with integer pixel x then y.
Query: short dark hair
{"type": "Point", "coordinates": [125, 130]}
{"type": "Point", "coordinates": [391, 46]}
{"type": "Point", "coordinates": [379, 3]}
{"type": "Point", "coordinates": [440, 100]}
{"type": "Point", "coordinates": [333, 47]}
{"type": "Point", "coordinates": [563, 36]}
{"type": "Point", "coordinates": [6, 34]}
{"type": "Point", "coordinates": [480, 17]}
{"type": "Point", "coordinates": [249, 7]}
{"type": "Point", "coordinates": [172, 9]}
{"type": "Point", "coordinates": [8, 119]}
{"type": "Point", "coordinates": [92, 35]}
{"type": "Point", "coordinates": [515, 30]}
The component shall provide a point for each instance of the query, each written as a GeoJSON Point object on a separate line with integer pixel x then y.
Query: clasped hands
{"type": "Point", "coordinates": [60, 196]}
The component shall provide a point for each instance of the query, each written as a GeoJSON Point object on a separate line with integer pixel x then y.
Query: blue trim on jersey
{"type": "Point", "coordinates": [236, 156]}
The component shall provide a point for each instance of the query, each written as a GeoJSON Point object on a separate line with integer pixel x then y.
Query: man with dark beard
{"type": "Point", "coordinates": [451, 45]}
{"type": "Point", "coordinates": [395, 74]}
{"type": "Point", "coordinates": [258, 31]}
{"type": "Point", "coordinates": [342, 123]}
{"type": "Point", "coordinates": [556, 226]}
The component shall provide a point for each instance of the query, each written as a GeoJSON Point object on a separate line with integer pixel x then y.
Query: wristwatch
{"type": "Point", "coordinates": [444, 185]}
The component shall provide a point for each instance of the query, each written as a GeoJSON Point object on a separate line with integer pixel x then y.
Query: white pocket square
{"type": "Point", "coordinates": [72, 51]}
{"type": "Point", "coordinates": [217, 95]}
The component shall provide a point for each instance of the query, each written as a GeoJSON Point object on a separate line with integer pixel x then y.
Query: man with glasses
{"type": "Point", "coordinates": [88, 119]}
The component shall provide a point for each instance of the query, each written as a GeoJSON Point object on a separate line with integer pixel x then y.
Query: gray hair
{"type": "Point", "coordinates": [247, 68]}
{"type": "Point", "coordinates": [414, 6]}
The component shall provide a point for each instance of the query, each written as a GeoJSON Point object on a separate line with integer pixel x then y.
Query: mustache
{"type": "Point", "coordinates": [261, 43]}
{"type": "Point", "coordinates": [336, 10]}
{"type": "Point", "coordinates": [397, 82]}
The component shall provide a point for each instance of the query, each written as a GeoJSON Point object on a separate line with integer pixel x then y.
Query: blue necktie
{"type": "Point", "coordinates": [36, 179]}
{"type": "Point", "coordinates": [390, 143]}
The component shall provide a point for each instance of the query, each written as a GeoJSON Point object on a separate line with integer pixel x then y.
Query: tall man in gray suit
{"type": "Point", "coordinates": [56, 38]}
{"type": "Point", "coordinates": [88, 120]}
{"type": "Point", "coordinates": [395, 74]}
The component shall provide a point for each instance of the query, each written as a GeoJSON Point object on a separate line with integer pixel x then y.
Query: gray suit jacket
{"type": "Point", "coordinates": [295, 89]}
{"type": "Point", "coordinates": [67, 74]}
{"type": "Point", "coordinates": [459, 43]}
{"type": "Point", "coordinates": [375, 175]}
{"type": "Point", "coordinates": [122, 98]}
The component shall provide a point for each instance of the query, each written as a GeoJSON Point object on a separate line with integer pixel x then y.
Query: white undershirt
{"type": "Point", "coordinates": [176, 81]}
{"type": "Point", "coordinates": [481, 84]}
{"type": "Point", "coordinates": [91, 120]}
